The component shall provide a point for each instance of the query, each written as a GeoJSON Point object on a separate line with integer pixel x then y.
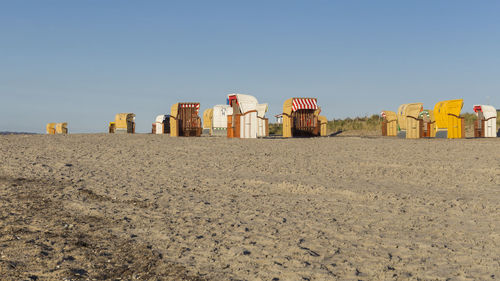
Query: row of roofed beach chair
{"type": "Point", "coordinates": [412, 121]}
{"type": "Point", "coordinates": [242, 116]}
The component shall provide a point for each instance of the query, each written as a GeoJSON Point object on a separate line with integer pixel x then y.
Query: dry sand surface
{"type": "Point", "coordinates": [151, 207]}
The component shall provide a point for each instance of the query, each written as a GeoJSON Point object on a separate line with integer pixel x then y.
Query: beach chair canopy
{"type": "Point", "coordinates": [389, 116]}
{"type": "Point", "coordinates": [261, 110]}
{"type": "Point", "coordinates": [246, 103]}
{"type": "Point", "coordinates": [294, 104]}
{"type": "Point", "coordinates": [487, 110]}
{"type": "Point", "coordinates": [174, 110]}
{"type": "Point", "coordinates": [413, 110]}
{"type": "Point", "coordinates": [443, 108]}
{"type": "Point", "coordinates": [403, 111]}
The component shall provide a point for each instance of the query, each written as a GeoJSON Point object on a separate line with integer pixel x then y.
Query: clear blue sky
{"type": "Point", "coordinates": [83, 61]}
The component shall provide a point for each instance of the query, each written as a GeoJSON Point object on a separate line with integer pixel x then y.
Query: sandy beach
{"type": "Point", "coordinates": [152, 207]}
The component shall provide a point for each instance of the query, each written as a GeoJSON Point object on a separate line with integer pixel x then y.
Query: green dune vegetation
{"type": "Point", "coordinates": [369, 125]}
{"type": "Point", "coordinates": [358, 124]}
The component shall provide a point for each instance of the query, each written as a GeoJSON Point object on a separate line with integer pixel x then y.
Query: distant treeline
{"type": "Point", "coordinates": [367, 123]}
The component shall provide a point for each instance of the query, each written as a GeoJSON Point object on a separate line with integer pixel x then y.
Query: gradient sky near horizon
{"type": "Point", "coordinates": [83, 61]}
